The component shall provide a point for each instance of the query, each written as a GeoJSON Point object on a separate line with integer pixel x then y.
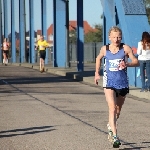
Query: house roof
{"type": "Point", "coordinates": [87, 27]}
{"type": "Point", "coordinates": [50, 30]}
{"type": "Point", "coordinates": [73, 26]}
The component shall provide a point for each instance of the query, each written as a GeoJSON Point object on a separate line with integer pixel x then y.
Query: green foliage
{"type": "Point", "coordinates": [95, 35]}
{"type": "Point", "coordinates": [148, 14]}
{"type": "Point", "coordinates": [73, 36]}
{"type": "Point", "coordinates": [147, 4]}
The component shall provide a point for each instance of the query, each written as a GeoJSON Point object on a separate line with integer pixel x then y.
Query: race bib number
{"type": "Point", "coordinates": [114, 65]}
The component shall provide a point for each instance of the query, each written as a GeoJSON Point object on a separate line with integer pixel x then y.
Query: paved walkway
{"type": "Point", "coordinates": [86, 76]}
{"type": "Point", "coordinates": [43, 111]}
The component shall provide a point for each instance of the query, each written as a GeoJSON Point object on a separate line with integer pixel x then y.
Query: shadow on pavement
{"type": "Point", "coordinates": [32, 130]}
{"type": "Point", "coordinates": [134, 147]}
{"type": "Point", "coordinates": [34, 80]}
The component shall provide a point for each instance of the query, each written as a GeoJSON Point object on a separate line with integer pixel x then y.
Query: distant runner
{"type": "Point", "coordinates": [5, 48]}
{"type": "Point", "coordinates": [42, 45]}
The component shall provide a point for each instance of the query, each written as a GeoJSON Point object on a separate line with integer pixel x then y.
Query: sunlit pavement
{"type": "Point", "coordinates": [42, 111]}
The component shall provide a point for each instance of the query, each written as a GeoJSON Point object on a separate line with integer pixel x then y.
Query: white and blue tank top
{"type": "Point", "coordinates": [115, 77]}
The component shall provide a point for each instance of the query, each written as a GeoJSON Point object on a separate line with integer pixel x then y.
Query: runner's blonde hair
{"type": "Point", "coordinates": [115, 29]}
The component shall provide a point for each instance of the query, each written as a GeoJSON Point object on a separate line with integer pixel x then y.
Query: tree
{"type": "Point", "coordinates": [147, 4]}
{"type": "Point", "coordinates": [72, 36]}
{"type": "Point", "coordinates": [95, 35]}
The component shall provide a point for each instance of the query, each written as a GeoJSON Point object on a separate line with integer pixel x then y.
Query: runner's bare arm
{"type": "Point", "coordinates": [36, 46]}
{"type": "Point", "coordinates": [8, 45]}
{"type": "Point", "coordinates": [134, 61]}
{"type": "Point", "coordinates": [99, 59]}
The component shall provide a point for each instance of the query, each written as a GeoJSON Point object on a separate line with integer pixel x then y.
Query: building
{"type": "Point", "coordinates": [72, 27]}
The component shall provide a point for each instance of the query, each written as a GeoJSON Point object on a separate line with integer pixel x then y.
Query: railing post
{"type": "Point", "coordinates": [22, 30]}
{"type": "Point", "coordinates": [80, 36]}
{"type": "Point", "coordinates": [13, 36]}
{"type": "Point", "coordinates": [31, 32]}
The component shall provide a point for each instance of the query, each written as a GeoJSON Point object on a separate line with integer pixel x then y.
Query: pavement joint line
{"type": "Point", "coordinates": [72, 116]}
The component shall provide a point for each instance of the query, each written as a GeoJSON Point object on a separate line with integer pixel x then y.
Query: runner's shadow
{"type": "Point", "coordinates": [128, 143]}
{"type": "Point", "coordinates": [25, 131]}
{"type": "Point", "coordinates": [135, 148]}
{"type": "Point", "coordinates": [145, 142]}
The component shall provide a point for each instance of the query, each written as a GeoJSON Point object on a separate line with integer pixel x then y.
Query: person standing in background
{"type": "Point", "coordinates": [143, 52]}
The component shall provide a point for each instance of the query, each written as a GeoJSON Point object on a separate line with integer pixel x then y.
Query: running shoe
{"type": "Point", "coordinates": [116, 142]}
{"type": "Point", "coordinates": [110, 133]}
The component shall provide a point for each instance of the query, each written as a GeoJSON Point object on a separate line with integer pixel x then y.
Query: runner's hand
{"type": "Point", "coordinates": [122, 65]}
{"type": "Point", "coordinates": [97, 77]}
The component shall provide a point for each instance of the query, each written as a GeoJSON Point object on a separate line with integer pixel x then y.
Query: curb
{"type": "Point", "coordinates": [71, 74]}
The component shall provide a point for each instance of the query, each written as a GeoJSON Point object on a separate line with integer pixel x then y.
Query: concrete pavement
{"type": "Point", "coordinates": [86, 76]}
{"type": "Point", "coordinates": [42, 111]}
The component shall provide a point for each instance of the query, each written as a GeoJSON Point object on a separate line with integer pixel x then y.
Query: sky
{"type": "Point", "coordinates": [92, 12]}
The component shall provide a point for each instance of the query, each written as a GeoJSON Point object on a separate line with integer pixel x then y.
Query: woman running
{"type": "Point", "coordinates": [5, 47]}
{"type": "Point", "coordinates": [115, 80]}
{"type": "Point", "coordinates": [42, 45]}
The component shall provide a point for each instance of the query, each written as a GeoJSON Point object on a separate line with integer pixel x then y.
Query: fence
{"type": "Point", "coordinates": [91, 50]}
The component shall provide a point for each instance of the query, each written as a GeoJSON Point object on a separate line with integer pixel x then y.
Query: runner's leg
{"type": "Point", "coordinates": [40, 63]}
{"type": "Point", "coordinates": [3, 58]}
{"type": "Point", "coordinates": [4, 54]}
{"type": "Point", "coordinates": [44, 55]}
{"type": "Point", "coordinates": [111, 100]}
{"type": "Point", "coordinates": [119, 102]}
{"type": "Point", "coordinates": [7, 58]}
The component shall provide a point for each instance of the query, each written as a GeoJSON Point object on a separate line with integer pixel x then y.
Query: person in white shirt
{"type": "Point", "coordinates": [143, 52]}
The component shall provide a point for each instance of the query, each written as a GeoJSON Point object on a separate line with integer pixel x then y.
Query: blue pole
{"type": "Point", "coordinates": [13, 37]}
{"type": "Point", "coordinates": [67, 35]}
{"type": "Point", "coordinates": [55, 33]}
{"type": "Point", "coordinates": [22, 29]}
{"type": "Point", "coordinates": [32, 50]}
{"type": "Point", "coordinates": [80, 36]}
{"type": "Point", "coordinates": [5, 19]}
{"type": "Point", "coordinates": [0, 30]}
{"type": "Point", "coordinates": [104, 24]}
{"type": "Point", "coordinates": [44, 25]}
{"type": "Point", "coordinates": [108, 18]}
{"type": "Point", "coordinates": [59, 51]}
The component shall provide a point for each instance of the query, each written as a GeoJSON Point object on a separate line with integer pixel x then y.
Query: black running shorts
{"type": "Point", "coordinates": [42, 54]}
{"type": "Point", "coordinates": [6, 52]}
{"type": "Point", "coordinates": [122, 92]}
